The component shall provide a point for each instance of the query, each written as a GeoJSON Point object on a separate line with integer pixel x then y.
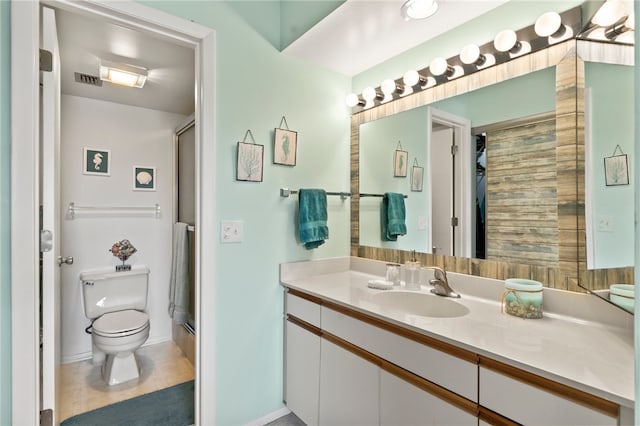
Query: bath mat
{"type": "Point", "coordinates": [171, 407]}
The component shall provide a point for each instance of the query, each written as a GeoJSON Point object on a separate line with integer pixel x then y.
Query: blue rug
{"type": "Point", "coordinates": [171, 407]}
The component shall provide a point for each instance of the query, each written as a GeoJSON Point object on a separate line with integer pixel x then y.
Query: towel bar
{"type": "Point", "coordinates": [285, 192]}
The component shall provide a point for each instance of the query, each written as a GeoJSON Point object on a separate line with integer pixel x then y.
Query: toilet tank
{"type": "Point", "coordinates": [107, 291]}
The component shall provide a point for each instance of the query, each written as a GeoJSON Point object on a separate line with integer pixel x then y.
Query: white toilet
{"type": "Point", "coordinates": [115, 302]}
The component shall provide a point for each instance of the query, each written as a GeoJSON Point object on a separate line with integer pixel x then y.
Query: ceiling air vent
{"type": "Point", "coordinates": [92, 80]}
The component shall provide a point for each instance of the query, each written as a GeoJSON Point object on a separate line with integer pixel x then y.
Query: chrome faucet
{"type": "Point", "coordinates": [440, 283]}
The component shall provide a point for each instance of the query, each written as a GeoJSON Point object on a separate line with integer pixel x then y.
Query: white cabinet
{"type": "Point", "coordinates": [404, 404]}
{"type": "Point", "coordinates": [302, 372]}
{"type": "Point", "coordinates": [348, 388]}
{"type": "Point", "coordinates": [529, 403]}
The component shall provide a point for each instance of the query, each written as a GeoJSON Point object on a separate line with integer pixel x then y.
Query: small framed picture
{"type": "Point", "coordinates": [400, 163]}
{"type": "Point", "coordinates": [417, 174]}
{"type": "Point", "coordinates": [144, 178]}
{"type": "Point", "coordinates": [96, 162]}
{"type": "Point", "coordinates": [616, 170]}
{"type": "Point", "coordinates": [250, 162]}
{"type": "Point", "coordinates": [285, 145]}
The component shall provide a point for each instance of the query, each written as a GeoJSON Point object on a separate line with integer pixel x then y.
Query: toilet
{"type": "Point", "coordinates": [115, 303]}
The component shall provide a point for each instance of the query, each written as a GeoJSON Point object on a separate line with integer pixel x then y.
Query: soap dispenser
{"type": "Point", "coordinates": [412, 273]}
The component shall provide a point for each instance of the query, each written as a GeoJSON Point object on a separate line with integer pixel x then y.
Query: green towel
{"type": "Point", "coordinates": [392, 214]}
{"type": "Point", "coordinates": [312, 217]}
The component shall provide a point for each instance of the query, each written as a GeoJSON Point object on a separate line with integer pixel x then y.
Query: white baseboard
{"type": "Point", "coordinates": [269, 417]}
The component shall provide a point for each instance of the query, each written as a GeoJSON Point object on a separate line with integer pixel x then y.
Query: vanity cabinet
{"type": "Point", "coordinates": [302, 358]}
{"type": "Point", "coordinates": [351, 368]}
{"type": "Point", "coordinates": [530, 399]}
{"type": "Point", "coordinates": [349, 387]}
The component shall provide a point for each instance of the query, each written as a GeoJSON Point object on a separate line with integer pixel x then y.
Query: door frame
{"type": "Point", "coordinates": [25, 187]}
{"type": "Point", "coordinates": [462, 135]}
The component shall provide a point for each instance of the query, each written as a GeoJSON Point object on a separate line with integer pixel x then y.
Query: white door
{"type": "Point", "coordinates": [50, 181]}
{"type": "Point", "coordinates": [442, 196]}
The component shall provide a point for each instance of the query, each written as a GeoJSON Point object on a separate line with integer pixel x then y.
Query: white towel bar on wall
{"type": "Point", "coordinates": [74, 210]}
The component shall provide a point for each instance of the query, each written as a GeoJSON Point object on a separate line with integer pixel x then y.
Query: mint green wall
{"type": "Point", "coordinates": [297, 17]}
{"type": "Point", "coordinates": [612, 116]}
{"type": "Point", "coordinates": [534, 93]}
{"type": "Point", "coordinates": [378, 142]}
{"type": "Point", "coordinates": [515, 14]}
{"type": "Point", "coordinates": [256, 85]}
{"type": "Point", "coordinates": [5, 220]}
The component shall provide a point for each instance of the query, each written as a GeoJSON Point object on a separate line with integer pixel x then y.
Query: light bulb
{"type": "Point", "coordinates": [506, 41]}
{"type": "Point", "coordinates": [548, 24]}
{"type": "Point", "coordinates": [411, 78]}
{"type": "Point", "coordinates": [389, 86]}
{"type": "Point", "coordinates": [369, 93]}
{"type": "Point", "coordinates": [353, 100]}
{"type": "Point", "coordinates": [439, 66]}
{"type": "Point", "coordinates": [609, 13]}
{"type": "Point", "coordinates": [470, 54]}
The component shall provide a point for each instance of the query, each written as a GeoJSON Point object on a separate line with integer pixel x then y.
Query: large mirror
{"type": "Point", "coordinates": [543, 97]}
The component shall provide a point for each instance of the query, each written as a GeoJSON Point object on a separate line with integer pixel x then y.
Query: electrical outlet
{"type": "Point", "coordinates": [605, 223]}
{"type": "Point", "coordinates": [231, 231]}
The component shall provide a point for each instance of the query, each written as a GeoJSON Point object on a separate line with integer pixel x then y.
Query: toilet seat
{"type": "Point", "coordinates": [121, 323]}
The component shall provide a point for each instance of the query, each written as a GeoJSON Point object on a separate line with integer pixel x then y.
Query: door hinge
{"type": "Point", "coordinates": [454, 221]}
{"type": "Point", "coordinates": [46, 60]}
{"type": "Point", "coordinates": [46, 417]}
{"type": "Point", "coordinates": [454, 149]}
{"type": "Point", "coordinates": [46, 240]}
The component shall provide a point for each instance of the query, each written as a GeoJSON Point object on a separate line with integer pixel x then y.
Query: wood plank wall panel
{"type": "Point", "coordinates": [521, 199]}
{"type": "Point", "coordinates": [569, 167]}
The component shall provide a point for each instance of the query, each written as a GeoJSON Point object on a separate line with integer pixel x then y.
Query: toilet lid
{"type": "Point", "coordinates": [121, 322]}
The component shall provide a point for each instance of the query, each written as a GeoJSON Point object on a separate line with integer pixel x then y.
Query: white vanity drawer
{"type": "Point", "coordinates": [303, 309]}
{"type": "Point", "coordinates": [528, 402]}
{"type": "Point", "coordinates": [451, 372]}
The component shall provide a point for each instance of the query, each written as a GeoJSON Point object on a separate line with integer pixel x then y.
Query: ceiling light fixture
{"type": "Point", "coordinates": [122, 74]}
{"type": "Point", "coordinates": [418, 9]}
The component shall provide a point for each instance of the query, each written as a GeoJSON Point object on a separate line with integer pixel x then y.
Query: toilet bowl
{"type": "Point", "coordinates": [115, 301]}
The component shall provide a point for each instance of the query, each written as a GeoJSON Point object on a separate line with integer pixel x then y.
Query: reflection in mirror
{"type": "Point", "coordinates": [607, 246]}
{"type": "Point", "coordinates": [492, 104]}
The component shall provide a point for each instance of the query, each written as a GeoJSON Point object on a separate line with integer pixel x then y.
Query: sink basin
{"type": "Point", "coordinates": [425, 305]}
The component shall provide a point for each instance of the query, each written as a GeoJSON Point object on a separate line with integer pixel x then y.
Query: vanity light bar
{"type": "Point", "coordinates": [549, 28]}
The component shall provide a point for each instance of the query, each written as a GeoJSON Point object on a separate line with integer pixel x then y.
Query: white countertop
{"type": "Point", "coordinates": [578, 351]}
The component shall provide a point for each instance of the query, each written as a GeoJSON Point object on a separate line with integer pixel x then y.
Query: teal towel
{"type": "Point", "coordinates": [392, 215]}
{"type": "Point", "coordinates": [312, 217]}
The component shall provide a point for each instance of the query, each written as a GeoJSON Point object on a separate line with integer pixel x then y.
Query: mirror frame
{"type": "Point", "coordinates": [570, 151]}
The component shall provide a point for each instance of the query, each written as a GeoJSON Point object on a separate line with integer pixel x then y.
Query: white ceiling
{"type": "Point", "coordinates": [85, 41]}
{"type": "Point", "coordinates": [356, 36]}
{"type": "Point", "coordinates": [360, 34]}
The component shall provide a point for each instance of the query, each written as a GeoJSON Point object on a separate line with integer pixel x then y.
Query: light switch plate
{"type": "Point", "coordinates": [231, 231]}
{"type": "Point", "coordinates": [605, 223]}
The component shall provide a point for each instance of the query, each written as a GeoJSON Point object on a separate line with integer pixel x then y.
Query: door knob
{"type": "Point", "coordinates": [66, 260]}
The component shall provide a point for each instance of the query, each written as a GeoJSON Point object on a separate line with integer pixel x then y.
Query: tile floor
{"type": "Point", "coordinates": [82, 388]}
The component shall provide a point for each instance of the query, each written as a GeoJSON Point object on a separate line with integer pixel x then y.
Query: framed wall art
{"type": "Point", "coordinates": [144, 178]}
{"type": "Point", "coordinates": [285, 145]}
{"type": "Point", "coordinates": [417, 176]}
{"type": "Point", "coordinates": [96, 162]}
{"type": "Point", "coordinates": [400, 162]}
{"type": "Point", "coordinates": [616, 168]}
{"type": "Point", "coordinates": [250, 160]}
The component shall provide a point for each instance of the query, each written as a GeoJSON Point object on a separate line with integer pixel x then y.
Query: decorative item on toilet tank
{"type": "Point", "coordinates": [123, 250]}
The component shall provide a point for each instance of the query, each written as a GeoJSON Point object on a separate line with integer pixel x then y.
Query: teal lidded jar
{"type": "Point", "coordinates": [522, 298]}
